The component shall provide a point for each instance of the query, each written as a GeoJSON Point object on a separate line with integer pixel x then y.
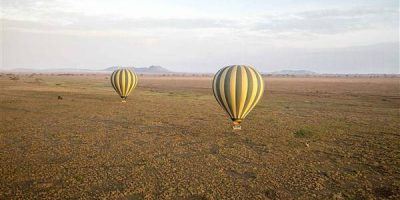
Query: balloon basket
{"type": "Point", "coordinates": [236, 126]}
{"type": "Point", "coordinates": [123, 101]}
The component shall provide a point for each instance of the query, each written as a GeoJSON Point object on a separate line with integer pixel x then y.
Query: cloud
{"type": "Point", "coordinates": [49, 15]}
{"type": "Point", "coordinates": [150, 23]}
{"type": "Point", "coordinates": [334, 21]}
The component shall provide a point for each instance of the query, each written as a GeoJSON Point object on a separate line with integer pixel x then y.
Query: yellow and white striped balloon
{"type": "Point", "coordinates": [238, 88]}
{"type": "Point", "coordinates": [123, 82]}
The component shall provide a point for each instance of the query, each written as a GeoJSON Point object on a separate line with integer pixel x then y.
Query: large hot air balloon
{"type": "Point", "coordinates": [238, 88]}
{"type": "Point", "coordinates": [123, 82]}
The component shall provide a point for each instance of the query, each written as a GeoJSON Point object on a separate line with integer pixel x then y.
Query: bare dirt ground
{"type": "Point", "coordinates": [309, 138]}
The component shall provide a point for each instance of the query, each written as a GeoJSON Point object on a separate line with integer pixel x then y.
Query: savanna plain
{"type": "Point", "coordinates": [308, 138]}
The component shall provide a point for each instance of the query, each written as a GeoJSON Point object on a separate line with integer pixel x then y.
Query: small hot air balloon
{"type": "Point", "coordinates": [123, 82]}
{"type": "Point", "coordinates": [238, 88]}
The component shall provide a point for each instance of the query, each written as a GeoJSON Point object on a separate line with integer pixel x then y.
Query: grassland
{"type": "Point", "coordinates": [309, 138]}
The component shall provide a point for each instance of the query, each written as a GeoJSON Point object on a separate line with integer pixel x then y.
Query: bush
{"type": "Point", "coordinates": [303, 133]}
{"type": "Point", "coordinates": [14, 78]}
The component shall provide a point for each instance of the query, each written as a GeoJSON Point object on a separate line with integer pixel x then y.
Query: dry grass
{"type": "Point", "coordinates": [172, 141]}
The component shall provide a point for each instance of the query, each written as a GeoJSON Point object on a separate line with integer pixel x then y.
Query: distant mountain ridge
{"type": "Point", "coordinates": [57, 70]}
{"type": "Point", "coordinates": [145, 70]}
{"type": "Point", "coordinates": [139, 70]}
{"type": "Point", "coordinates": [293, 72]}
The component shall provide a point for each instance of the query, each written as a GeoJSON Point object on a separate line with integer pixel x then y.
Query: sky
{"type": "Point", "coordinates": [324, 36]}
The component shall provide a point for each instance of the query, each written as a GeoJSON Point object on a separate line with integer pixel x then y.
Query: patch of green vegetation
{"type": "Point", "coordinates": [135, 196]}
{"type": "Point", "coordinates": [79, 178]}
{"type": "Point", "coordinates": [303, 133]}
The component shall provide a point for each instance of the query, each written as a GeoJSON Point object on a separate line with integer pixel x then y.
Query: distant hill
{"type": "Point", "coordinates": [139, 70]}
{"type": "Point", "coordinates": [144, 70]}
{"type": "Point", "coordinates": [56, 70]}
{"type": "Point", "coordinates": [294, 72]}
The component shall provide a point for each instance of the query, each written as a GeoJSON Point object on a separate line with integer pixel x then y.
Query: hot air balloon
{"type": "Point", "coordinates": [238, 88]}
{"type": "Point", "coordinates": [123, 82]}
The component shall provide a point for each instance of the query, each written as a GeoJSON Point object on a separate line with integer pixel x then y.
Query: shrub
{"type": "Point", "coordinates": [303, 133]}
{"type": "Point", "coordinates": [14, 78]}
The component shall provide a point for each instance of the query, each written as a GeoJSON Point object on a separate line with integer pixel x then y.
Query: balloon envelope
{"type": "Point", "coordinates": [238, 88]}
{"type": "Point", "coordinates": [124, 81]}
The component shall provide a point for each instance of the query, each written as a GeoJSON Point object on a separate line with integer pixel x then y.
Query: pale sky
{"type": "Point", "coordinates": [325, 36]}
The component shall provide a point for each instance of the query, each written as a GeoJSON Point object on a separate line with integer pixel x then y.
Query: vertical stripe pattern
{"type": "Point", "coordinates": [124, 81]}
{"type": "Point", "coordinates": [238, 88]}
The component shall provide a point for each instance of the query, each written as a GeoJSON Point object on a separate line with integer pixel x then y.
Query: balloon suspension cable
{"type": "Point", "coordinates": [236, 126]}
